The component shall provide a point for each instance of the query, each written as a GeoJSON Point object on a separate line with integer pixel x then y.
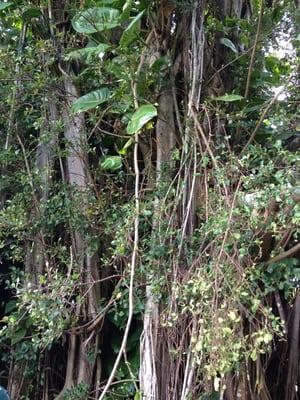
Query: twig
{"type": "Point", "coordinates": [261, 119]}
{"type": "Point", "coordinates": [284, 255]}
{"type": "Point", "coordinates": [228, 64]}
{"type": "Point", "coordinates": [200, 129]}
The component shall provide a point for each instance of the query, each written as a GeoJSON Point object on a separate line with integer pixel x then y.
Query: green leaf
{"type": "Point", "coordinates": [96, 19]}
{"type": "Point", "coordinates": [18, 335]}
{"type": "Point", "coordinates": [32, 12]}
{"type": "Point", "coordinates": [90, 100]}
{"type": "Point", "coordinates": [111, 163]}
{"type": "Point", "coordinates": [142, 115]}
{"type": "Point", "coordinates": [228, 43]}
{"type": "Point", "coordinates": [211, 396]}
{"type": "Point", "coordinates": [10, 306]}
{"type": "Point", "coordinates": [138, 396]}
{"type": "Point", "coordinates": [123, 151]}
{"type": "Point", "coordinates": [160, 63]}
{"type": "Point", "coordinates": [131, 31]}
{"type": "Point", "coordinates": [126, 10]}
{"type": "Point", "coordinates": [87, 52]}
{"type": "Point", "coordinates": [229, 97]}
{"type": "Point", "coordinates": [3, 5]}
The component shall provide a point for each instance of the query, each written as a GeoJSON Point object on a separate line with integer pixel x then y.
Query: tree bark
{"type": "Point", "coordinates": [152, 367]}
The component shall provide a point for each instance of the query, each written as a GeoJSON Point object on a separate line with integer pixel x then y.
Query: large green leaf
{"type": "Point", "coordinates": [141, 116]}
{"type": "Point", "coordinates": [229, 97]}
{"type": "Point", "coordinates": [90, 100]}
{"type": "Point", "coordinates": [88, 52]}
{"type": "Point", "coordinates": [131, 31]}
{"type": "Point", "coordinates": [228, 43]}
{"type": "Point", "coordinates": [3, 5]}
{"type": "Point", "coordinates": [126, 10]}
{"type": "Point", "coordinates": [112, 163]}
{"type": "Point", "coordinates": [96, 19]}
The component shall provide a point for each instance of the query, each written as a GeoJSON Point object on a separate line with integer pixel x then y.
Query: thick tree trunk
{"type": "Point", "coordinates": [197, 63]}
{"type": "Point", "coordinates": [152, 369]}
{"type": "Point", "coordinates": [79, 368]}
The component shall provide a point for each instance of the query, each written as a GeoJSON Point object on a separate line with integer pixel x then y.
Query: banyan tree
{"type": "Point", "coordinates": [150, 199]}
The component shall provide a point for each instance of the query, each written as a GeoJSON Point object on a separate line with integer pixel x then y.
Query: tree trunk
{"type": "Point", "coordinates": [79, 368]}
{"type": "Point", "coordinates": [152, 370]}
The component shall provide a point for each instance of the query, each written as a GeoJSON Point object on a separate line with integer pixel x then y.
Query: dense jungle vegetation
{"type": "Point", "coordinates": [150, 199]}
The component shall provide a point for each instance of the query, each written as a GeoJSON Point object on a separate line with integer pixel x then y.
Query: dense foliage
{"type": "Point", "coordinates": [150, 199]}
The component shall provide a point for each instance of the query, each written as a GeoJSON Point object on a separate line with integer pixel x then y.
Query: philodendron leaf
{"type": "Point", "coordinates": [229, 97]}
{"type": "Point", "coordinates": [96, 19]}
{"type": "Point", "coordinates": [3, 5]}
{"type": "Point", "coordinates": [228, 43]}
{"type": "Point", "coordinates": [111, 163]}
{"type": "Point", "coordinates": [140, 118]}
{"type": "Point", "coordinates": [131, 31]}
{"type": "Point", "coordinates": [90, 100]}
{"type": "Point", "coordinates": [88, 52]}
{"type": "Point", "coordinates": [126, 10]}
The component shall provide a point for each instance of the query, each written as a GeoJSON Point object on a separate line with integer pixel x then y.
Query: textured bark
{"type": "Point", "coordinates": [153, 368]}
{"type": "Point", "coordinates": [293, 364]}
{"type": "Point", "coordinates": [197, 62]}
{"type": "Point", "coordinates": [79, 368]}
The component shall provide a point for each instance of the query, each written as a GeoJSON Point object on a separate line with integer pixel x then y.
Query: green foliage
{"type": "Point", "coordinates": [228, 43]}
{"type": "Point", "coordinates": [283, 276]}
{"type": "Point", "coordinates": [111, 163]}
{"type": "Point", "coordinates": [202, 218]}
{"type": "Point", "coordinates": [40, 315]}
{"type": "Point", "coordinates": [132, 30]}
{"type": "Point", "coordinates": [229, 97]}
{"type": "Point", "coordinates": [140, 118]}
{"type": "Point", "coordinates": [78, 392]}
{"type": "Point", "coordinates": [96, 19]}
{"type": "Point", "coordinates": [4, 5]}
{"type": "Point", "coordinates": [88, 53]}
{"type": "Point", "coordinates": [90, 100]}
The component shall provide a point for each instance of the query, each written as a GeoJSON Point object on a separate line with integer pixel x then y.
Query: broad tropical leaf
{"type": "Point", "coordinates": [126, 10]}
{"type": "Point", "coordinates": [112, 163]}
{"type": "Point", "coordinates": [96, 19]}
{"type": "Point", "coordinates": [228, 43]}
{"type": "Point", "coordinates": [87, 52]}
{"type": "Point", "coordinates": [90, 100]}
{"type": "Point", "coordinates": [3, 5]}
{"type": "Point", "coordinates": [131, 31]}
{"type": "Point", "coordinates": [141, 116]}
{"type": "Point", "coordinates": [229, 97]}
